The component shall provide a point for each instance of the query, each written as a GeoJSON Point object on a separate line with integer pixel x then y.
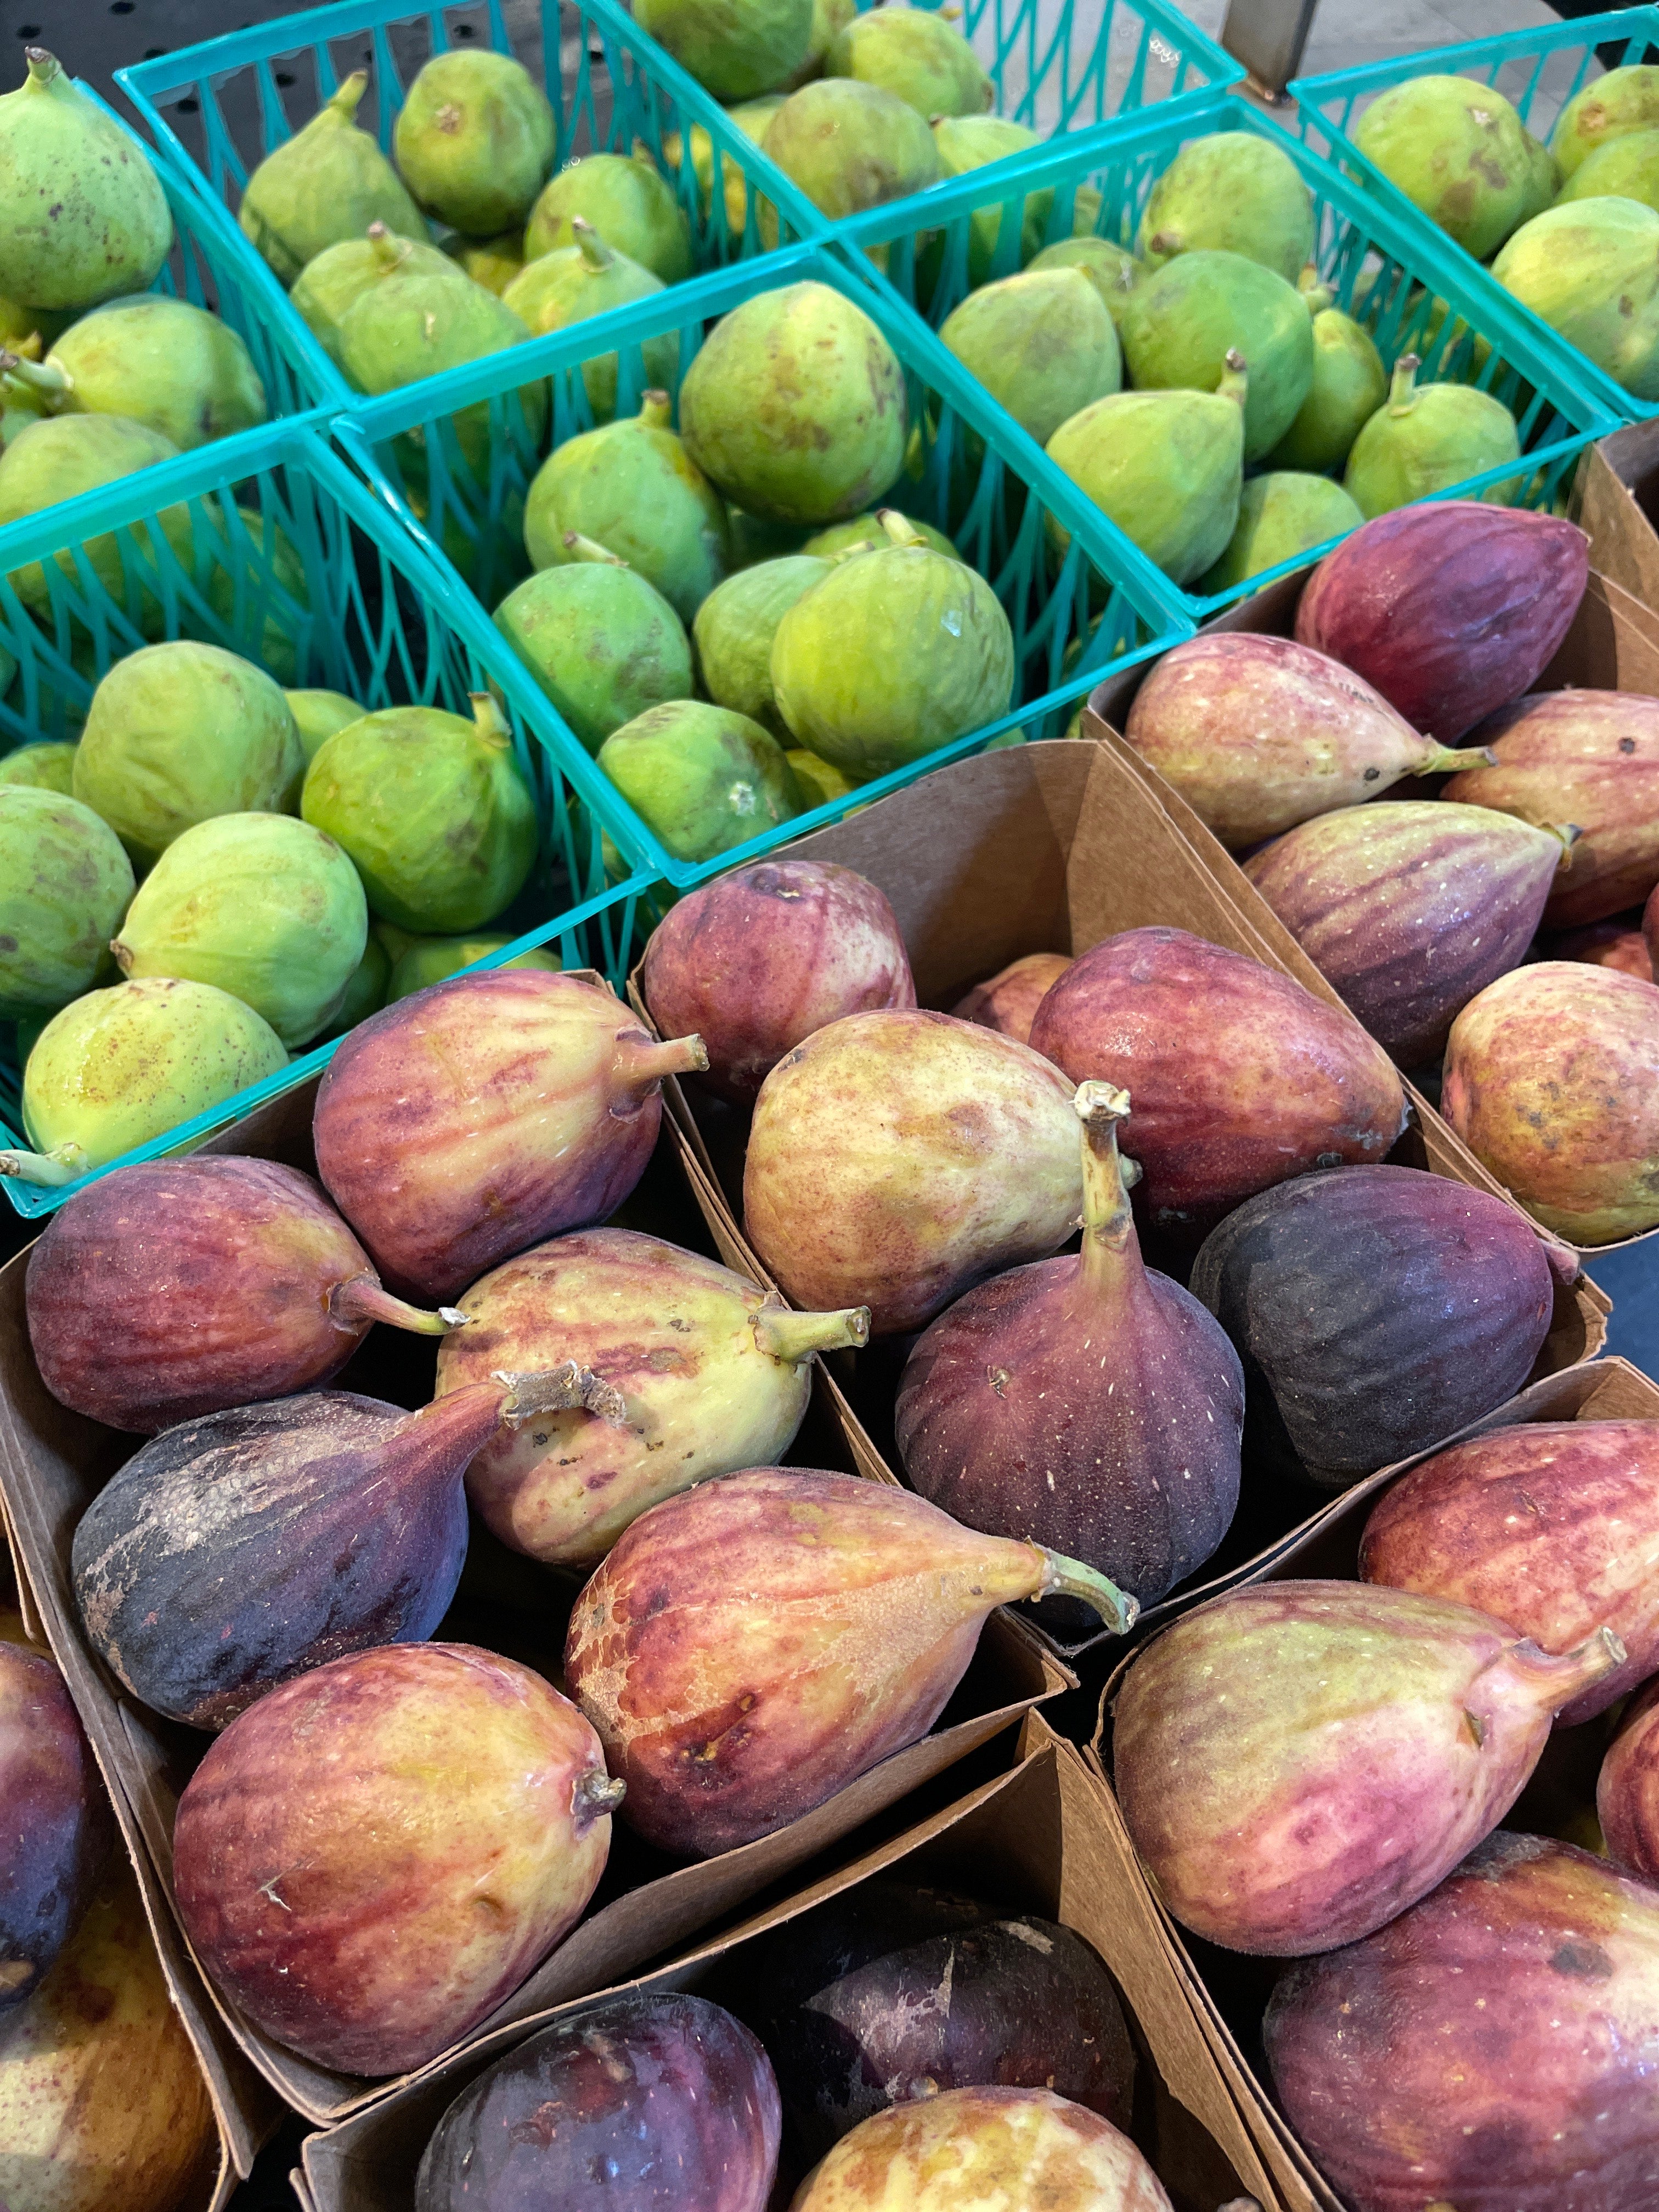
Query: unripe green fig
{"type": "Point", "coordinates": [430, 959]}
{"type": "Point", "coordinates": [1625, 168]}
{"type": "Point", "coordinates": [158, 361]}
{"type": "Point", "coordinates": [830, 19]}
{"type": "Point", "coordinates": [1180, 324]}
{"type": "Point", "coordinates": [178, 733]}
{"type": "Point", "coordinates": [82, 215]}
{"type": "Point", "coordinates": [1543, 179]}
{"type": "Point", "coordinates": [819, 783]}
{"type": "Point", "coordinates": [317, 714]}
{"type": "Point", "coordinates": [602, 642]}
{"type": "Point", "coordinates": [395, 334]}
{"type": "Point", "coordinates": [339, 276]}
{"type": "Point", "coordinates": [1609, 106]}
{"type": "Point", "coordinates": [1349, 385]}
{"type": "Point", "coordinates": [474, 139]}
{"type": "Point", "coordinates": [365, 993]}
{"type": "Point", "coordinates": [970, 142]}
{"type": "Point", "coordinates": [1457, 150]}
{"type": "Point", "coordinates": [914, 53]}
{"type": "Point", "coordinates": [752, 118]}
{"type": "Point", "coordinates": [849, 146]}
{"type": "Point", "coordinates": [734, 48]}
{"type": "Point", "coordinates": [1041, 343]}
{"type": "Point", "coordinates": [1590, 269]}
{"type": "Point", "coordinates": [631, 488]}
{"type": "Point", "coordinates": [1426, 439]}
{"type": "Point", "coordinates": [1280, 515]}
{"type": "Point", "coordinates": [794, 407]}
{"type": "Point", "coordinates": [630, 204]}
{"type": "Point", "coordinates": [48, 766]}
{"type": "Point", "coordinates": [328, 182]}
{"type": "Point", "coordinates": [59, 457]}
{"type": "Point", "coordinates": [574, 283]}
{"type": "Point", "coordinates": [734, 630]}
{"type": "Point", "coordinates": [434, 811]}
{"type": "Point", "coordinates": [935, 658]}
{"type": "Point", "coordinates": [702, 780]}
{"type": "Point", "coordinates": [491, 262]}
{"type": "Point", "coordinates": [260, 905]}
{"type": "Point", "coordinates": [868, 529]}
{"type": "Point", "coordinates": [1112, 270]}
{"type": "Point", "coordinates": [65, 884]}
{"type": "Point", "coordinates": [1235, 193]}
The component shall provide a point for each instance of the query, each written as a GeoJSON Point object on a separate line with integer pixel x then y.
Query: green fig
{"type": "Point", "coordinates": [119, 1067]}
{"type": "Point", "coordinates": [59, 457]}
{"type": "Point", "coordinates": [474, 139]}
{"type": "Point", "coordinates": [178, 733]}
{"type": "Point", "coordinates": [1457, 150]}
{"type": "Point", "coordinates": [1168, 467]}
{"type": "Point", "coordinates": [602, 642]}
{"type": "Point", "coordinates": [48, 766]}
{"type": "Point", "coordinates": [1041, 343]}
{"type": "Point", "coordinates": [1235, 193]}
{"type": "Point", "coordinates": [317, 714]}
{"type": "Point", "coordinates": [970, 142]}
{"type": "Point", "coordinates": [734, 630]}
{"type": "Point", "coordinates": [574, 283]}
{"type": "Point", "coordinates": [935, 659]}
{"type": "Point", "coordinates": [752, 118]}
{"type": "Point", "coordinates": [1280, 515]}
{"type": "Point", "coordinates": [491, 262]}
{"type": "Point", "coordinates": [627, 201]}
{"type": "Point", "coordinates": [830, 19]}
{"type": "Point", "coordinates": [259, 905]}
{"type": "Point", "coordinates": [365, 993]}
{"type": "Point", "coordinates": [1590, 269]}
{"type": "Point", "coordinates": [631, 488]}
{"type": "Point", "coordinates": [849, 146]}
{"type": "Point", "coordinates": [868, 529]}
{"type": "Point", "coordinates": [434, 811]}
{"type": "Point", "coordinates": [328, 182]}
{"type": "Point", "coordinates": [1426, 438]}
{"type": "Point", "coordinates": [395, 334]}
{"type": "Point", "coordinates": [1180, 326]}
{"type": "Point", "coordinates": [734, 48]}
{"type": "Point", "coordinates": [157, 361]}
{"type": "Point", "coordinates": [1608, 107]}
{"type": "Point", "coordinates": [1543, 179]}
{"type": "Point", "coordinates": [915, 54]}
{"type": "Point", "coordinates": [1349, 385]}
{"type": "Point", "coordinates": [703, 778]}
{"type": "Point", "coordinates": [21, 327]}
{"type": "Point", "coordinates": [65, 884]}
{"type": "Point", "coordinates": [1624, 169]}
{"type": "Point", "coordinates": [431, 959]}
{"type": "Point", "coordinates": [819, 783]}
{"type": "Point", "coordinates": [1112, 270]}
{"type": "Point", "coordinates": [339, 276]}
{"type": "Point", "coordinates": [794, 407]}
{"type": "Point", "coordinates": [82, 215]}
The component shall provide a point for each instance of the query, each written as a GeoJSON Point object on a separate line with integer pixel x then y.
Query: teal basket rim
{"type": "Point", "coordinates": [1627, 26]}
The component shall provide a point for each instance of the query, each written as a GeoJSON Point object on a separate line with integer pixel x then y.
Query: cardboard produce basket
{"type": "Point", "coordinates": [1615, 499]}
{"type": "Point", "coordinates": [1043, 1837]}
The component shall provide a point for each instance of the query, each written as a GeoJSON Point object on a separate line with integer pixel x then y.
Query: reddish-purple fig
{"type": "Point", "coordinates": [639, 2103]}
{"type": "Point", "coordinates": [753, 1645]}
{"type": "Point", "coordinates": [1589, 757]}
{"type": "Point", "coordinates": [1083, 1403]}
{"type": "Point", "coordinates": [373, 1856]}
{"type": "Point", "coordinates": [1008, 1000]}
{"type": "Point", "coordinates": [235, 1552]}
{"type": "Point", "coordinates": [1239, 1077]}
{"type": "Point", "coordinates": [480, 1116]}
{"type": "Point", "coordinates": [1491, 2050]}
{"type": "Point", "coordinates": [1553, 1526]}
{"type": "Point", "coordinates": [758, 960]}
{"type": "Point", "coordinates": [1259, 733]}
{"type": "Point", "coordinates": [181, 1287]}
{"type": "Point", "coordinates": [1408, 910]}
{"type": "Point", "coordinates": [1381, 1308]}
{"type": "Point", "coordinates": [1450, 610]}
{"type": "Point", "coordinates": [1628, 1789]}
{"type": "Point", "coordinates": [1299, 1761]}
{"type": "Point", "coordinates": [54, 1828]}
{"type": "Point", "coordinates": [1551, 1081]}
{"type": "Point", "coordinates": [1617, 943]}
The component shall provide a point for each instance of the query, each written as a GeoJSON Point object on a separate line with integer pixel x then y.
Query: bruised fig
{"type": "Point", "coordinates": [474, 1119]}
{"type": "Point", "coordinates": [1259, 733]}
{"type": "Point", "coordinates": [758, 961]}
{"type": "Point", "coordinates": [689, 1371]}
{"type": "Point", "coordinates": [178, 1288]}
{"type": "Point", "coordinates": [57, 1832]}
{"type": "Point", "coordinates": [1084, 1402]}
{"type": "Point", "coordinates": [86, 218]}
{"type": "Point", "coordinates": [1299, 1761]}
{"type": "Point", "coordinates": [1008, 1000]}
{"type": "Point", "coordinates": [726, 1721]}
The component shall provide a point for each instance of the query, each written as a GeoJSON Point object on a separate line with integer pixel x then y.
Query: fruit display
{"type": "Point", "coordinates": [57, 1833]}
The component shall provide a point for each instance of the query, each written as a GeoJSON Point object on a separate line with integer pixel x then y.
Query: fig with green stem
{"type": "Point", "coordinates": [627, 201]}
{"type": "Point", "coordinates": [160, 362]}
{"type": "Point", "coordinates": [1349, 385]}
{"type": "Point", "coordinates": [328, 182]}
{"type": "Point", "coordinates": [576, 283]}
{"type": "Point", "coordinates": [1042, 345]}
{"type": "Point", "coordinates": [1232, 191]}
{"type": "Point", "coordinates": [397, 334]}
{"type": "Point", "coordinates": [703, 778]}
{"type": "Point", "coordinates": [602, 642]}
{"type": "Point", "coordinates": [1280, 515]}
{"type": "Point", "coordinates": [1426, 438]}
{"type": "Point", "coordinates": [734, 630]}
{"type": "Point", "coordinates": [474, 139]}
{"type": "Point", "coordinates": [317, 714]}
{"type": "Point", "coordinates": [1112, 270]}
{"type": "Point", "coordinates": [1183, 321]}
{"type": "Point", "coordinates": [339, 276]}
{"type": "Point", "coordinates": [916, 54]}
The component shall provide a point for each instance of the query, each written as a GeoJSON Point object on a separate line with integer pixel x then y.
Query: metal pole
{"type": "Point", "coordinates": [1268, 36]}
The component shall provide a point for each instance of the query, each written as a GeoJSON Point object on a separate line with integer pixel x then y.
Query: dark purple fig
{"type": "Point", "coordinates": [181, 1287]}
{"type": "Point", "coordinates": [1084, 1402]}
{"type": "Point", "coordinates": [889, 1994]}
{"type": "Point", "coordinates": [640, 2103]}
{"type": "Point", "coordinates": [1408, 910]}
{"type": "Point", "coordinates": [54, 1828]}
{"type": "Point", "coordinates": [235, 1551]}
{"type": "Point", "coordinates": [1492, 2049]}
{"type": "Point", "coordinates": [1377, 1309]}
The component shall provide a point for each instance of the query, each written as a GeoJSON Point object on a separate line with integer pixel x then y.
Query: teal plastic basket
{"type": "Point", "coordinates": [1000, 506]}
{"type": "Point", "coordinates": [1395, 266]}
{"type": "Point", "coordinates": [1538, 71]}
{"type": "Point", "coordinates": [268, 545]}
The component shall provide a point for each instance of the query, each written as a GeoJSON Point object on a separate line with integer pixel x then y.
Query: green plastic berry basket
{"type": "Point", "coordinates": [270, 547]}
{"type": "Point", "coordinates": [1101, 605]}
{"type": "Point", "coordinates": [1396, 266]}
{"type": "Point", "coordinates": [1538, 71]}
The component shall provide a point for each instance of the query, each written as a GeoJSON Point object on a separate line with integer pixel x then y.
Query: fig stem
{"type": "Point", "coordinates": [1064, 1577]}
{"type": "Point", "coordinates": [1568, 832]}
{"type": "Point", "coordinates": [639, 1062]}
{"type": "Point", "coordinates": [362, 1298]}
{"type": "Point", "coordinates": [346, 102]}
{"type": "Point", "coordinates": [1443, 761]}
{"type": "Point", "coordinates": [388, 250]}
{"type": "Point", "coordinates": [1318, 298]}
{"type": "Point", "coordinates": [793, 1337]}
{"type": "Point", "coordinates": [45, 378]}
{"type": "Point", "coordinates": [1402, 389]}
{"type": "Point", "coordinates": [1559, 1677]}
{"type": "Point", "coordinates": [563, 1389]}
{"type": "Point", "coordinates": [597, 255]}
{"type": "Point", "coordinates": [595, 1793]}
{"type": "Point", "coordinates": [589, 548]}
{"type": "Point", "coordinates": [1108, 1223]}
{"type": "Point", "coordinates": [1165, 242]}
{"type": "Point", "coordinates": [489, 720]}
{"type": "Point", "coordinates": [1235, 383]}
{"type": "Point", "coordinates": [44, 68]}
{"type": "Point", "coordinates": [899, 528]}
{"type": "Point", "coordinates": [63, 1163]}
{"type": "Point", "coordinates": [656, 411]}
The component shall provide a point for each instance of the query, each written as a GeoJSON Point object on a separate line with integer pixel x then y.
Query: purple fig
{"type": "Point", "coordinates": [1492, 2049]}
{"type": "Point", "coordinates": [483, 1115]}
{"type": "Point", "coordinates": [182, 1287]}
{"type": "Point", "coordinates": [1628, 1789]}
{"type": "Point", "coordinates": [1299, 1761]}
{"type": "Point", "coordinates": [756, 961]}
{"type": "Point", "coordinates": [1008, 1000]}
{"type": "Point", "coordinates": [1409, 909]}
{"type": "Point", "coordinates": [1376, 1309]}
{"type": "Point", "coordinates": [234, 1552]}
{"type": "Point", "coordinates": [638, 2103]}
{"type": "Point", "coordinates": [55, 1827]}
{"type": "Point", "coordinates": [1082, 1403]}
